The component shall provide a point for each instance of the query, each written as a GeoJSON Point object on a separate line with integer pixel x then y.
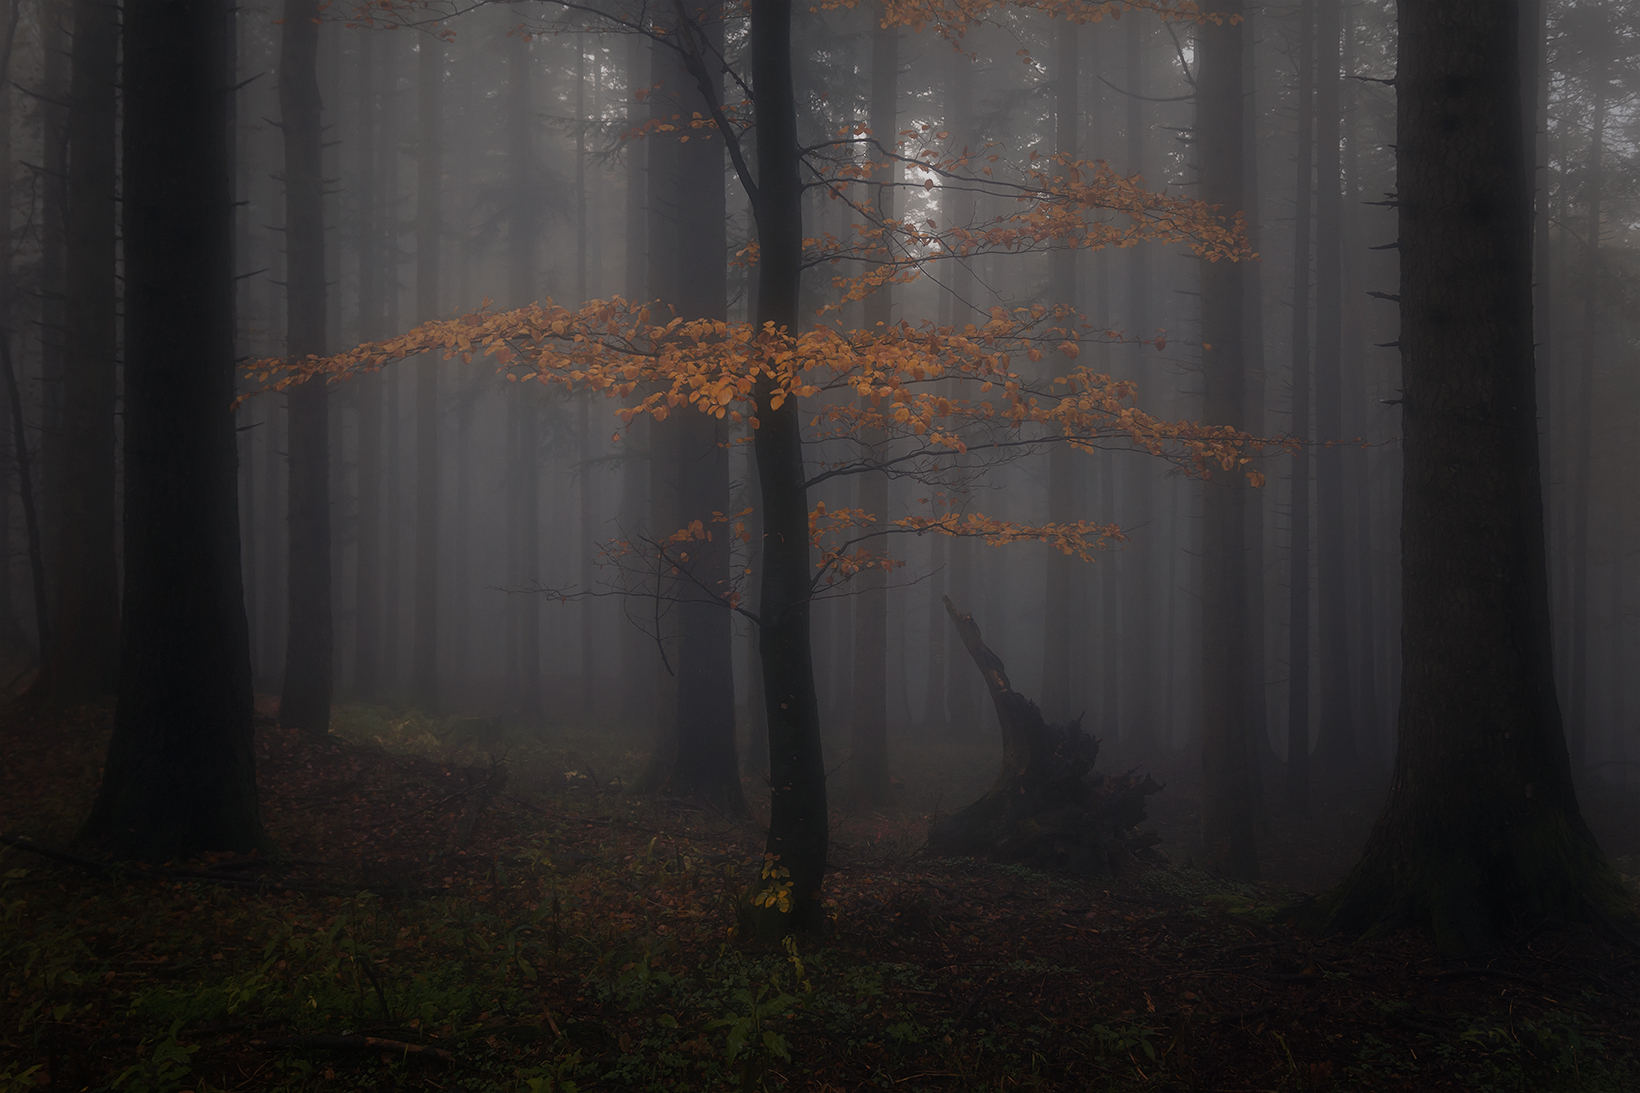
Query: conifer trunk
{"type": "Point", "coordinates": [180, 776]}
{"type": "Point", "coordinates": [1482, 834]}
{"type": "Point", "coordinates": [429, 225]}
{"type": "Point", "coordinates": [85, 639]}
{"type": "Point", "coordinates": [304, 699]}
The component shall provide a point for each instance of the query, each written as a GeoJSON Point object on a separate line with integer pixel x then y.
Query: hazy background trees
{"type": "Point", "coordinates": [491, 164]}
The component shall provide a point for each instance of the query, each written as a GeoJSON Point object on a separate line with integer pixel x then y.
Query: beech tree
{"type": "Point", "coordinates": [940, 397]}
{"type": "Point", "coordinates": [1482, 833]}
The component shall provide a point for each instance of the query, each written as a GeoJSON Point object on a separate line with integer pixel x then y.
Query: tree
{"type": "Point", "coordinates": [304, 698]}
{"type": "Point", "coordinates": [755, 374]}
{"type": "Point", "coordinates": [1297, 797]}
{"type": "Point", "coordinates": [180, 777]}
{"type": "Point", "coordinates": [1227, 798]}
{"type": "Point", "coordinates": [85, 639]}
{"type": "Point", "coordinates": [1482, 832]}
{"type": "Point", "coordinates": [429, 223]}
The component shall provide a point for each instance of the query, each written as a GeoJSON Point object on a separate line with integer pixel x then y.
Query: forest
{"type": "Point", "coordinates": [571, 545]}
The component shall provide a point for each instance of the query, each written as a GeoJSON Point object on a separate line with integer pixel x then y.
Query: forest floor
{"type": "Point", "coordinates": [427, 924]}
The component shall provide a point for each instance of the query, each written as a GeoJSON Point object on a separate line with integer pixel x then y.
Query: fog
{"type": "Point", "coordinates": [545, 190]}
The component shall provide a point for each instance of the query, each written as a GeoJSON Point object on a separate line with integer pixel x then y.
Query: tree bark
{"type": "Point", "coordinates": [1228, 842]}
{"type": "Point", "coordinates": [868, 752]}
{"type": "Point", "coordinates": [180, 776]}
{"type": "Point", "coordinates": [522, 243]}
{"type": "Point", "coordinates": [304, 698]}
{"type": "Point", "coordinates": [1298, 544]}
{"type": "Point", "coordinates": [367, 395]}
{"type": "Point", "coordinates": [1335, 736]}
{"type": "Point", "coordinates": [85, 645]}
{"type": "Point", "coordinates": [798, 830]}
{"type": "Point", "coordinates": [1482, 833]}
{"type": "Point", "coordinates": [1066, 576]}
{"type": "Point", "coordinates": [429, 225]}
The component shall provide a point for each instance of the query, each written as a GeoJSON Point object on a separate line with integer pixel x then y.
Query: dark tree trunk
{"type": "Point", "coordinates": [706, 763]}
{"type": "Point", "coordinates": [1335, 740]}
{"type": "Point", "coordinates": [1582, 433]}
{"type": "Point", "coordinates": [429, 224]}
{"type": "Point", "coordinates": [180, 776]}
{"type": "Point", "coordinates": [304, 700]}
{"type": "Point", "coordinates": [85, 640]}
{"type": "Point", "coordinates": [523, 241]}
{"type": "Point", "coordinates": [1298, 544]}
{"type": "Point", "coordinates": [367, 394]}
{"type": "Point", "coordinates": [868, 751]}
{"type": "Point", "coordinates": [1227, 798]}
{"type": "Point", "coordinates": [53, 112]}
{"type": "Point", "coordinates": [1482, 833]}
{"type": "Point", "coordinates": [10, 633]}
{"type": "Point", "coordinates": [1066, 577]}
{"type": "Point", "coordinates": [798, 830]}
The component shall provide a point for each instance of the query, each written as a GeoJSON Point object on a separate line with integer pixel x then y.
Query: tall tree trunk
{"type": "Point", "coordinates": [304, 699]}
{"type": "Point", "coordinates": [367, 395]}
{"type": "Point", "coordinates": [392, 479]}
{"type": "Point", "coordinates": [1478, 708]}
{"type": "Point", "coordinates": [522, 242]}
{"type": "Point", "coordinates": [1298, 543]}
{"type": "Point", "coordinates": [85, 646]}
{"type": "Point", "coordinates": [1227, 798]}
{"type": "Point", "coordinates": [693, 243]}
{"type": "Point", "coordinates": [429, 226]}
{"type": "Point", "coordinates": [1577, 700]}
{"type": "Point", "coordinates": [1138, 587]}
{"type": "Point", "coordinates": [10, 633]}
{"type": "Point", "coordinates": [868, 752]}
{"type": "Point", "coordinates": [180, 776]}
{"type": "Point", "coordinates": [1253, 362]}
{"type": "Point", "coordinates": [798, 830]}
{"type": "Point", "coordinates": [1335, 740]}
{"type": "Point", "coordinates": [1063, 608]}
{"type": "Point", "coordinates": [54, 98]}
{"type": "Point", "coordinates": [637, 658]}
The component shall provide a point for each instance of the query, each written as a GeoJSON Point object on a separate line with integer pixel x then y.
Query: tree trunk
{"type": "Point", "coordinates": [429, 225]}
{"type": "Point", "coordinates": [85, 646]}
{"type": "Point", "coordinates": [1582, 431]}
{"type": "Point", "coordinates": [1066, 575]}
{"type": "Point", "coordinates": [367, 396]}
{"type": "Point", "coordinates": [1298, 544]}
{"type": "Point", "coordinates": [1227, 798]}
{"type": "Point", "coordinates": [10, 632]}
{"type": "Point", "coordinates": [798, 831]}
{"type": "Point", "coordinates": [1482, 833]}
{"type": "Point", "coordinates": [522, 242]}
{"type": "Point", "coordinates": [304, 699]}
{"type": "Point", "coordinates": [392, 479]}
{"type": "Point", "coordinates": [868, 752]}
{"type": "Point", "coordinates": [180, 776]}
{"type": "Point", "coordinates": [1335, 742]}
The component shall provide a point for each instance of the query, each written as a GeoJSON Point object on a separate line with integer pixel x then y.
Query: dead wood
{"type": "Point", "coordinates": [1048, 805]}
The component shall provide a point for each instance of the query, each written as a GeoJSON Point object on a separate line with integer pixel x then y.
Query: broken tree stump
{"type": "Point", "coordinates": [1048, 805]}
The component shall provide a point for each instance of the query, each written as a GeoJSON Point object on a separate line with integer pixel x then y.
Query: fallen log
{"type": "Point", "coordinates": [1047, 806]}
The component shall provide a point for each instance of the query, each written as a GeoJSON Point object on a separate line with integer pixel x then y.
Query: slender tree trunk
{"type": "Point", "coordinates": [637, 658]}
{"type": "Point", "coordinates": [10, 13]}
{"type": "Point", "coordinates": [1138, 585]}
{"type": "Point", "coordinates": [1066, 577]}
{"type": "Point", "coordinates": [392, 484]}
{"type": "Point", "coordinates": [522, 243]}
{"type": "Point", "coordinates": [1298, 547]}
{"type": "Point", "coordinates": [868, 753]}
{"type": "Point", "coordinates": [180, 776]}
{"type": "Point", "coordinates": [304, 699]}
{"type": "Point", "coordinates": [1228, 806]}
{"type": "Point", "coordinates": [429, 226]}
{"type": "Point", "coordinates": [55, 95]}
{"type": "Point", "coordinates": [1511, 850]}
{"type": "Point", "coordinates": [1335, 729]}
{"type": "Point", "coordinates": [367, 395]}
{"type": "Point", "coordinates": [1582, 432]}
{"type": "Point", "coordinates": [84, 656]}
{"type": "Point", "coordinates": [798, 829]}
